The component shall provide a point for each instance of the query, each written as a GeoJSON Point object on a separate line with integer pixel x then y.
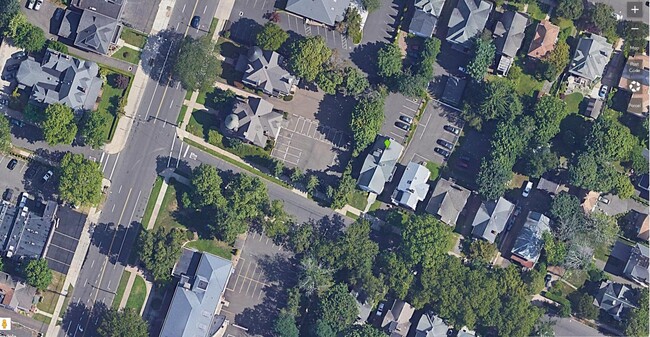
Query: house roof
{"type": "Point", "coordinates": [423, 24]}
{"type": "Point", "coordinates": [60, 78]}
{"type": "Point", "coordinates": [589, 201]}
{"type": "Point", "coordinates": [397, 319]}
{"type": "Point", "coordinates": [361, 299]}
{"type": "Point", "coordinates": [196, 297]}
{"type": "Point", "coordinates": [378, 166]}
{"type": "Point", "coordinates": [594, 108]}
{"type": "Point", "coordinates": [447, 201]}
{"type": "Point", "coordinates": [110, 8]}
{"type": "Point", "coordinates": [413, 187]}
{"type": "Point", "coordinates": [509, 33]}
{"type": "Point", "coordinates": [96, 32]}
{"type": "Point", "coordinates": [16, 294]}
{"type": "Point", "coordinates": [467, 21]}
{"type": "Point", "coordinates": [491, 219]}
{"type": "Point", "coordinates": [529, 243]}
{"type": "Point", "coordinates": [544, 40]}
{"type": "Point", "coordinates": [548, 186]}
{"type": "Point", "coordinates": [614, 298]}
{"type": "Point", "coordinates": [69, 24]}
{"type": "Point", "coordinates": [635, 79]}
{"type": "Point", "coordinates": [643, 226]}
{"type": "Point", "coordinates": [433, 7]}
{"type": "Point", "coordinates": [454, 89]}
{"type": "Point", "coordinates": [262, 70]}
{"type": "Point", "coordinates": [636, 267]}
{"type": "Point", "coordinates": [325, 11]}
{"type": "Point", "coordinates": [591, 56]}
{"type": "Point", "coordinates": [431, 325]}
{"type": "Point", "coordinates": [255, 121]}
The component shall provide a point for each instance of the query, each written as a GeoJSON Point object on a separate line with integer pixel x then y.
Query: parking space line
{"type": "Point", "coordinates": [414, 110]}
{"type": "Point", "coordinates": [249, 283]}
{"type": "Point", "coordinates": [23, 167]}
{"type": "Point", "coordinates": [396, 135]}
{"type": "Point", "coordinates": [52, 244]}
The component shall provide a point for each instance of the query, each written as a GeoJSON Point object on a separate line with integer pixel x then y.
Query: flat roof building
{"type": "Point", "coordinates": [25, 229]}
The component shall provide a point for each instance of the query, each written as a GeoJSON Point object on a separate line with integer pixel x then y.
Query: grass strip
{"type": "Point", "coordinates": [120, 289]}
{"type": "Point", "coordinates": [146, 217]}
{"type": "Point", "coordinates": [137, 294]}
{"type": "Point", "coordinates": [210, 246]}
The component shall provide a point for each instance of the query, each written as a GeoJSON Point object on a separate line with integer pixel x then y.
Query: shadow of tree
{"type": "Point", "coordinates": [159, 55]}
{"type": "Point", "coordinates": [365, 58]}
{"type": "Point", "coordinates": [244, 30]}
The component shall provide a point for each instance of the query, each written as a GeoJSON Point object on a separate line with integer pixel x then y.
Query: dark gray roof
{"type": "Point", "coordinates": [110, 8]}
{"type": "Point", "coordinates": [594, 108]}
{"type": "Point", "coordinates": [454, 89]}
{"type": "Point", "coordinates": [529, 243]}
{"type": "Point", "coordinates": [548, 186]}
{"type": "Point", "coordinates": [61, 78]}
{"type": "Point", "coordinates": [636, 267]}
{"type": "Point", "coordinates": [491, 219]}
{"type": "Point", "coordinates": [24, 229]}
{"type": "Point", "coordinates": [509, 33]}
{"type": "Point", "coordinates": [423, 24]}
{"type": "Point", "coordinates": [591, 57]}
{"type": "Point", "coordinates": [262, 70]}
{"type": "Point", "coordinates": [193, 307]}
{"type": "Point", "coordinates": [325, 11]}
{"type": "Point", "coordinates": [413, 186]}
{"type": "Point", "coordinates": [614, 298]}
{"type": "Point", "coordinates": [69, 25]}
{"type": "Point", "coordinates": [433, 7]}
{"type": "Point", "coordinates": [256, 121]}
{"type": "Point", "coordinates": [447, 201]}
{"type": "Point", "coordinates": [96, 32]}
{"type": "Point", "coordinates": [378, 166]}
{"type": "Point", "coordinates": [467, 21]}
{"type": "Point", "coordinates": [431, 325]}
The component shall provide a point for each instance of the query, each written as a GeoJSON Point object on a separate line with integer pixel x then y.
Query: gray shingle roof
{"type": "Point", "coordinates": [591, 56]}
{"type": "Point", "coordinates": [491, 219]}
{"type": "Point", "coordinates": [192, 310]}
{"type": "Point", "coordinates": [16, 293]}
{"type": "Point", "coordinates": [69, 25]}
{"type": "Point", "coordinates": [255, 121]}
{"type": "Point", "coordinates": [433, 7]}
{"type": "Point", "coordinates": [110, 8]}
{"type": "Point", "coordinates": [397, 319]}
{"type": "Point", "coordinates": [636, 267]}
{"type": "Point", "coordinates": [447, 201]}
{"type": "Point", "coordinates": [96, 32]}
{"type": "Point", "coordinates": [423, 24]}
{"type": "Point", "coordinates": [413, 187]}
{"type": "Point", "coordinates": [325, 11]}
{"type": "Point", "coordinates": [529, 243]}
{"type": "Point", "coordinates": [61, 78]}
{"type": "Point", "coordinates": [378, 166]}
{"type": "Point", "coordinates": [262, 70]}
{"type": "Point", "coordinates": [614, 298]}
{"type": "Point", "coordinates": [509, 33]}
{"type": "Point", "coordinates": [467, 21]}
{"type": "Point", "coordinates": [431, 325]}
{"type": "Point", "coordinates": [454, 89]}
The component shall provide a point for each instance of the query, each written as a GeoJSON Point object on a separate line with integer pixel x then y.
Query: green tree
{"type": "Point", "coordinates": [601, 16]}
{"type": "Point", "coordinates": [353, 23]}
{"type": "Point", "coordinates": [329, 80]}
{"type": "Point", "coordinates": [549, 112]}
{"type": "Point", "coordinates": [59, 126]}
{"type": "Point", "coordinates": [555, 250]}
{"type": "Point", "coordinates": [247, 198]}
{"type": "Point", "coordinates": [493, 176]}
{"type": "Point", "coordinates": [636, 324]}
{"type": "Point", "coordinates": [482, 57]}
{"type": "Point", "coordinates": [354, 82]}
{"type": "Point", "coordinates": [308, 56]}
{"type": "Point", "coordinates": [38, 274]}
{"type": "Point", "coordinates": [285, 326]}
{"type": "Point", "coordinates": [300, 238]}
{"type": "Point", "coordinates": [277, 222]}
{"type": "Point", "coordinates": [610, 140]}
{"type": "Point", "coordinates": [540, 162]}
{"type": "Point", "coordinates": [314, 279]}
{"type": "Point", "coordinates": [584, 172]}
{"type": "Point", "coordinates": [81, 180]}
{"type": "Point", "coordinates": [27, 36]}
{"type": "Point", "coordinates": [555, 62]}
{"type": "Point", "coordinates": [570, 9]}
{"type": "Point", "coordinates": [544, 329]}
{"type": "Point", "coordinates": [634, 34]}
{"type": "Point", "coordinates": [323, 329]}
{"type": "Point", "coordinates": [206, 187]}
{"type": "Point", "coordinates": [93, 129]}
{"type": "Point", "coordinates": [8, 10]}
{"type": "Point", "coordinates": [371, 5]}
{"type": "Point", "coordinates": [399, 276]}
{"type": "Point", "coordinates": [58, 46]}
{"type": "Point", "coordinates": [338, 308]}
{"type": "Point", "coordinates": [583, 306]}
{"type": "Point", "coordinates": [123, 323]}
{"type": "Point", "coordinates": [277, 166]}
{"type": "Point", "coordinates": [364, 331]}
{"type": "Point", "coordinates": [534, 279]}
{"type": "Point", "coordinates": [603, 229]}
{"type": "Point", "coordinates": [34, 113]}
{"type": "Point", "coordinates": [296, 175]}
{"type": "Point", "coordinates": [366, 121]}
{"type": "Point", "coordinates": [158, 251]}
{"type": "Point", "coordinates": [483, 251]}
{"type": "Point", "coordinates": [389, 61]}
{"type": "Point", "coordinates": [271, 37]}
{"type": "Point", "coordinates": [5, 135]}
{"type": "Point", "coordinates": [424, 239]}
{"type": "Point", "coordinates": [356, 251]}
{"type": "Point", "coordinates": [197, 65]}
{"type": "Point", "coordinates": [312, 183]}
{"type": "Point", "coordinates": [501, 101]}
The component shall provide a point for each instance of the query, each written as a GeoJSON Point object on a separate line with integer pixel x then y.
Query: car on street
{"type": "Point", "coordinates": [8, 194]}
{"type": "Point", "coordinates": [196, 20]}
{"type": "Point", "coordinates": [517, 211]}
{"type": "Point", "coordinates": [603, 91]}
{"type": "Point", "coordinates": [380, 309]}
{"type": "Point", "coordinates": [19, 55]}
{"type": "Point", "coordinates": [12, 163]}
{"type": "Point", "coordinates": [446, 144]}
{"type": "Point", "coordinates": [442, 152]}
{"type": "Point", "coordinates": [31, 3]}
{"type": "Point", "coordinates": [451, 129]}
{"type": "Point", "coordinates": [38, 4]}
{"type": "Point", "coordinates": [529, 186]}
{"type": "Point", "coordinates": [47, 176]}
{"type": "Point", "coordinates": [402, 126]}
{"type": "Point", "coordinates": [462, 69]}
{"type": "Point", "coordinates": [406, 119]}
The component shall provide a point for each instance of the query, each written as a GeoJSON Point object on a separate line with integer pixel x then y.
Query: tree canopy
{"type": "Point", "coordinates": [81, 180]}
{"type": "Point", "coordinates": [5, 135]}
{"type": "Point", "coordinates": [93, 129]}
{"type": "Point", "coordinates": [308, 56]}
{"type": "Point", "coordinates": [247, 198]}
{"type": "Point", "coordinates": [389, 61]}
{"type": "Point", "coordinates": [123, 323]}
{"type": "Point", "coordinates": [482, 57]}
{"type": "Point", "coordinates": [8, 9]}
{"type": "Point", "coordinates": [556, 61]}
{"type": "Point", "coordinates": [197, 65]}
{"type": "Point", "coordinates": [285, 326]}
{"type": "Point", "coordinates": [158, 250]}
{"type": "Point", "coordinates": [549, 112]}
{"type": "Point", "coordinates": [570, 9]}
{"type": "Point", "coordinates": [271, 37]}
{"type": "Point", "coordinates": [636, 324]}
{"type": "Point", "coordinates": [25, 35]}
{"type": "Point", "coordinates": [425, 238]}
{"type": "Point", "coordinates": [367, 118]}
{"type": "Point", "coordinates": [338, 308]}
{"type": "Point", "coordinates": [206, 184]}
{"type": "Point", "coordinates": [601, 16]}
{"type": "Point", "coordinates": [59, 126]}
{"type": "Point", "coordinates": [38, 274]}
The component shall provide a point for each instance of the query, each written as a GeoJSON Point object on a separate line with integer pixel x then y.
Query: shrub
{"type": "Point", "coordinates": [215, 138]}
{"type": "Point", "coordinates": [287, 98]}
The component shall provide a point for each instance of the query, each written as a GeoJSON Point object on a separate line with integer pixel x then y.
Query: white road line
{"type": "Point", "coordinates": [414, 110]}
{"type": "Point", "coordinates": [425, 126]}
{"type": "Point", "coordinates": [105, 163]}
{"type": "Point", "coordinates": [169, 160]}
{"type": "Point", "coordinates": [183, 11]}
{"type": "Point", "coordinates": [113, 209]}
{"type": "Point", "coordinates": [92, 264]}
{"type": "Point", "coordinates": [177, 24]}
{"type": "Point", "coordinates": [1, 159]}
{"type": "Point", "coordinates": [101, 159]}
{"type": "Point", "coordinates": [397, 135]}
{"type": "Point", "coordinates": [205, 9]}
{"type": "Point", "coordinates": [110, 177]}
{"type": "Point", "coordinates": [23, 167]}
{"type": "Point", "coordinates": [186, 149]}
{"type": "Point", "coordinates": [178, 160]}
{"type": "Point", "coordinates": [171, 103]}
{"type": "Point", "coordinates": [120, 190]}
{"type": "Point", "coordinates": [109, 285]}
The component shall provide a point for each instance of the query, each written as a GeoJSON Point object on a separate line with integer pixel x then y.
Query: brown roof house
{"type": "Point", "coordinates": [634, 80]}
{"type": "Point", "coordinates": [397, 319]}
{"type": "Point", "coordinates": [643, 227]}
{"type": "Point", "coordinates": [544, 41]}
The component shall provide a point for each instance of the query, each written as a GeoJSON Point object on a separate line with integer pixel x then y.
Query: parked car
{"type": "Point", "coordinates": [442, 152]}
{"type": "Point", "coordinates": [196, 20]}
{"type": "Point", "coordinates": [13, 67]}
{"type": "Point", "coordinates": [406, 119]}
{"type": "Point", "coordinates": [402, 126]}
{"type": "Point", "coordinates": [38, 4]}
{"type": "Point", "coordinates": [47, 176]}
{"type": "Point", "coordinates": [517, 211]}
{"type": "Point", "coordinates": [447, 145]}
{"type": "Point", "coordinates": [529, 186]}
{"type": "Point", "coordinates": [603, 91]}
{"type": "Point", "coordinates": [603, 200]}
{"type": "Point", "coordinates": [462, 70]}
{"type": "Point", "coordinates": [451, 129]}
{"type": "Point", "coordinates": [19, 55]}
{"type": "Point", "coordinates": [31, 3]}
{"type": "Point", "coordinates": [8, 194]}
{"type": "Point", "coordinates": [17, 123]}
{"type": "Point", "coordinates": [547, 280]}
{"type": "Point", "coordinates": [380, 309]}
{"type": "Point", "coordinates": [12, 164]}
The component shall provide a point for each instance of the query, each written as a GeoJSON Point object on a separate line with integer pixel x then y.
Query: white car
{"type": "Point", "coordinates": [462, 69]}
{"type": "Point", "coordinates": [529, 186]}
{"type": "Point", "coordinates": [47, 175]}
{"type": "Point", "coordinates": [31, 3]}
{"type": "Point", "coordinates": [603, 91]}
{"type": "Point", "coordinates": [38, 4]}
{"type": "Point", "coordinates": [380, 309]}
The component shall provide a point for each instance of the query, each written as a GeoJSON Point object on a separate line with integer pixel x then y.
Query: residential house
{"type": "Point", "coordinates": [447, 201]}
{"type": "Point", "coordinates": [254, 121]}
{"type": "Point", "coordinates": [467, 21]}
{"type": "Point", "coordinates": [60, 78]}
{"type": "Point", "coordinates": [590, 58]}
{"type": "Point", "coordinates": [466, 332]}
{"type": "Point", "coordinates": [550, 187]}
{"type": "Point", "coordinates": [491, 219]}
{"type": "Point", "coordinates": [110, 8]}
{"type": "Point", "coordinates": [363, 305]}
{"type": "Point", "coordinates": [544, 41]}
{"type": "Point", "coordinates": [379, 166]}
{"type": "Point", "coordinates": [615, 299]}
{"type": "Point", "coordinates": [413, 186]}
{"type": "Point", "coordinates": [528, 245]}
{"type": "Point", "coordinates": [197, 298]}
{"type": "Point", "coordinates": [92, 25]}
{"type": "Point", "coordinates": [16, 294]}
{"type": "Point", "coordinates": [327, 12]}
{"type": "Point", "coordinates": [589, 201]}
{"type": "Point", "coordinates": [425, 17]}
{"type": "Point", "coordinates": [431, 325]}
{"type": "Point", "coordinates": [635, 80]}
{"type": "Point", "coordinates": [262, 70]}
{"type": "Point", "coordinates": [594, 108]}
{"type": "Point", "coordinates": [454, 89]}
{"type": "Point", "coordinates": [643, 227]}
{"type": "Point", "coordinates": [397, 320]}
{"type": "Point", "coordinates": [508, 37]}
{"type": "Point", "coordinates": [636, 267]}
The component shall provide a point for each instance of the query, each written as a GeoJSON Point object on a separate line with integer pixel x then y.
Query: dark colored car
{"type": "Point", "coordinates": [402, 126]}
{"type": "Point", "coordinates": [451, 129]}
{"type": "Point", "coordinates": [9, 193]}
{"type": "Point", "coordinates": [9, 76]}
{"type": "Point", "coordinates": [13, 67]}
{"type": "Point", "coordinates": [19, 55]}
{"type": "Point", "coordinates": [4, 102]}
{"type": "Point", "coordinates": [406, 119]}
{"type": "Point", "coordinates": [442, 152]}
{"type": "Point", "coordinates": [196, 20]}
{"type": "Point", "coordinates": [12, 164]}
{"type": "Point", "coordinates": [447, 145]}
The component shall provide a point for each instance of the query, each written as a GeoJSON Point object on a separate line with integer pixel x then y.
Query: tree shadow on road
{"type": "Point", "coordinates": [159, 55]}
{"type": "Point", "coordinates": [80, 318]}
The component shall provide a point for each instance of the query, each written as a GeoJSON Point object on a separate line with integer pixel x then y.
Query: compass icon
{"type": "Point", "coordinates": [634, 86]}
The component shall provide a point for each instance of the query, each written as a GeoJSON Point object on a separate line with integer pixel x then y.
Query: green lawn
{"type": "Point", "coordinates": [42, 318]}
{"type": "Point", "coordinates": [201, 122]}
{"type": "Point", "coordinates": [573, 102]}
{"type": "Point", "coordinates": [351, 215]}
{"type": "Point", "coordinates": [434, 169]}
{"type": "Point", "coordinates": [120, 289]}
{"type": "Point", "coordinates": [527, 85]}
{"type": "Point", "coordinates": [133, 37]}
{"type": "Point", "coordinates": [109, 103]}
{"type": "Point", "coordinates": [168, 208]}
{"type": "Point", "coordinates": [575, 277]}
{"type": "Point", "coordinates": [535, 11]}
{"type": "Point", "coordinates": [152, 201]}
{"type": "Point", "coordinates": [181, 115]}
{"type": "Point", "coordinates": [66, 300]}
{"type": "Point", "coordinates": [201, 97]}
{"type": "Point", "coordinates": [127, 54]}
{"type": "Point", "coordinates": [375, 206]}
{"type": "Point", "coordinates": [137, 294]}
{"type": "Point", "coordinates": [358, 199]}
{"type": "Point", "coordinates": [214, 247]}
{"type": "Point", "coordinates": [51, 295]}
{"type": "Point", "coordinates": [213, 26]}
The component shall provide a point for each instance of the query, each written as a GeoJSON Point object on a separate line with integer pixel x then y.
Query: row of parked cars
{"type": "Point", "coordinates": [446, 146]}
{"type": "Point", "coordinates": [34, 4]}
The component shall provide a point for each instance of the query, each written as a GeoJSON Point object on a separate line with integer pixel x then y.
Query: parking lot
{"type": "Point", "coordinates": [26, 176]}
{"type": "Point", "coordinates": [66, 236]}
{"type": "Point", "coordinates": [254, 291]}
{"type": "Point", "coordinates": [398, 105]}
